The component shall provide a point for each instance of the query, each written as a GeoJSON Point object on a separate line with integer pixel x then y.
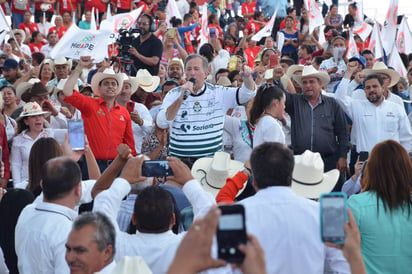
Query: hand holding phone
{"type": "Point", "coordinates": [212, 33]}
{"type": "Point", "coordinates": [130, 106]}
{"type": "Point", "coordinates": [333, 217]}
{"type": "Point", "coordinates": [76, 134]}
{"type": "Point", "coordinates": [156, 168]}
{"type": "Point", "coordinates": [273, 61]}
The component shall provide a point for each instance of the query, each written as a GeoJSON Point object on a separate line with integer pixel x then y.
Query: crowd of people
{"type": "Point", "coordinates": [269, 124]}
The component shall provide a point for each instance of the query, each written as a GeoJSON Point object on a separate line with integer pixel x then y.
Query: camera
{"type": "Point", "coordinates": [124, 41]}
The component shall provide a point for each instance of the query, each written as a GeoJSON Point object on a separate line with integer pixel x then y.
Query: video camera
{"type": "Point", "coordinates": [124, 41]}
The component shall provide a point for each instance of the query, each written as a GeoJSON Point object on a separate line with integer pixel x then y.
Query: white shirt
{"type": "Point", "coordinates": [139, 132]}
{"type": "Point", "coordinates": [41, 233]}
{"type": "Point", "coordinates": [287, 227]}
{"type": "Point", "coordinates": [3, 266]}
{"type": "Point", "coordinates": [46, 49]}
{"type": "Point", "coordinates": [268, 130]}
{"type": "Point", "coordinates": [108, 269]}
{"type": "Point", "coordinates": [25, 49]}
{"type": "Point", "coordinates": [220, 61]}
{"type": "Point", "coordinates": [157, 250]}
{"type": "Point", "coordinates": [374, 124]}
{"type": "Point", "coordinates": [19, 156]}
{"type": "Point", "coordinates": [238, 136]}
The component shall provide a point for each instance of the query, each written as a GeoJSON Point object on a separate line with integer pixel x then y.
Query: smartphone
{"type": "Point", "coordinates": [363, 156]}
{"type": "Point", "coordinates": [76, 134]}
{"type": "Point", "coordinates": [212, 33]}
{"type": "Point", "coordinates": [231, 232]}
{"type": "Point", "coordinates": [273, 61]}
{"type": "Point", "coordinates": [232, 63]}
{"type": "Point", "coordinates": [333, 217]}
{"type": "Point", "coordinates": [172, 32]}
{"type": "Point", "coordinates": [156, 168]}
{"type": "Point", "coordinates": [130, 106]}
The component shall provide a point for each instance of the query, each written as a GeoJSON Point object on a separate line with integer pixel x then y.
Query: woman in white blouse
{"type": "Point", "coordinates": [268, 106]}
{"type": "Point", "coordinates": [30, 127]}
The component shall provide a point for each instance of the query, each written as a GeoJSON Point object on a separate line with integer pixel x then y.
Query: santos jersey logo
{"type": "Point", "coordinates": [185, 127]}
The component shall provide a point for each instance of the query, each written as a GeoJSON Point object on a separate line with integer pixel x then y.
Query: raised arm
{"type": "Point", "coordinates": [86, 62]}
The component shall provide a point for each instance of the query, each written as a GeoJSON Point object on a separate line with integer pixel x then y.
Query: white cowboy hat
{"type": "Point", "coordinates": [146, 81]}
{"type": "Point", "coordinates": [224, 81]}
{"type": "Point", "coordinates": [309, 179]}
{"type": "Point", "coordinates": [22, 34]}
{"type": "Point", "coordinates": [50, 62]}
{"type": "Point", "coordinates": [24, 90]}
{"type": "Point", "coordinates": [32, 109]}
{"type": "Point", "coordinates": [213, 172]}
{"type": "Point", "coordinates": [293, 69]}
{"type": "Point", "coordinates": [268, 74]}
{"type": "Point", "coordinates": [131, 81]}
{"type": "Point", "coordinates": [106, 74]}
{"type": "Point", "coordinates": [310, 71]}
{"type": "Point", "coordinates": [62, 61]}
{"type": "Point", "coordinates": [128, 265]}
{"type": "Point", "coordinates": [60, 86]}
{"type": "Point", "coordinates": [380, 67]}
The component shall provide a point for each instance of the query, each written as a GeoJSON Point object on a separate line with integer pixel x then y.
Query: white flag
{"type": "Point", "coordinates": [360, 27]}
{"type": "Point", "coordinates": [315, 15]}
{"type": "Point", "coordinates": [77, 42]}
{"type": "Point", "coordinates": [119, 21]}
{"type": "Point", "coordinates": [389, 27]}
{"type": "Point", "coordinates": [321, 35]}
{"type": "Point", "coordinates": [93, 26]}
{"type": "Point", "coordinates": [204, 32]}
{"type": "Point", "coordinates": [281, 40]}
{"type": "Point", "coordinates": [404, 38]}
{"type": "Point", "coordinates": [4, 26]}
{"type": "Point", "coordinates": [172, 10]}
{"type": "Point", "coordinates": [396, 63]}
{"type": "Point", "coordinates": [375, 43]}
{"type": "Point", "coordinates": [352, 48]}
{"type": "Point", "coordinates": [267, 29]}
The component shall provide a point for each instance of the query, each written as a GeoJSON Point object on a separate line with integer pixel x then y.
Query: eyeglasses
{"type": "Point", "coordinates": [142, 24]}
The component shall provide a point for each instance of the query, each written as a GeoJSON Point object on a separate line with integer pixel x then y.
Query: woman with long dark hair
{"type": "Point", "coordinates": [383, 210]}
{"type": "Point", "coordinates": [268, 106]}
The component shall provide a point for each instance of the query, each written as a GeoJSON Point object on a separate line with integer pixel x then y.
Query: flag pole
{"type": "Point", "coordinates": [12, 34]}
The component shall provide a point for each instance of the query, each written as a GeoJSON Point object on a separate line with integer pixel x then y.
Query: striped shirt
{"type": "Point", "coordinates": [197, 130]}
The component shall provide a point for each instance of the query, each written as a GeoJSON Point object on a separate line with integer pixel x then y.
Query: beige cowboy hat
{"type": "Point", "coordinates": [22, 34]}
{"type": "Point", "coordinates": [34, 87]}
{"type": "Point", "coordinates": [32, 109]}
{"type": "Point", "coordinates": [60, 86]}
{"type": "Point", "coordinates": [106, 74]}
{"type": "Point", "coordinates": [49, 62]}
{"type": "Point", "coordinates": [213, 172]}
{"type": "Point", "coordinates": [131, 81]}
{"type": "Point", "coordinates": [146, 81]}
{"type": "Point", "coordinates": [129, 265]}
{"type": "Point", "coordinates": [224, 81]}
{"type": "Point", "coordinates": [175, 61]}
{"type": "Point", "coordinates": [293, 69]}
{"type": "Point", "coordinates": [309, 179]}
{"type": "Point", "coordinates": [310, 71]}
{"type": "Point", "coordinates": [62, 61]}
{"type": "Point", "coordinates": [380, 67]}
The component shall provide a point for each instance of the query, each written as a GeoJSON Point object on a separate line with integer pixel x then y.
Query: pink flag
{"type": "Point", "coordinates": [360, 27]}
{"type": "Point", "coordinates": [375, 43]}
{"type": "Point", "coordinates": [404, 38]}
{"type": "Point", "coordinates": [389, 27]}
{"type": "Point", "coordinates": [352, 48]}
{"type": "Point", "coordinates": [395, 61]}
{"type": "Point", "coordinates": [315, 15]}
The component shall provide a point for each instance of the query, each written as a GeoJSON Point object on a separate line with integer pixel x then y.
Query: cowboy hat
{"type": "Point", "coordinates": [175, 61]}
{"type": "Point", "coordinates": [293, 69]}
{"type": "Point", "coordinates": [380, 67]}
{"type": "Point", "coordinates": [213, 172]}
{"type": "Point", "coordinates": [129, 265]}
{"type": "Point", "coordinates": [32, 109]}
{"type": "Point", "coordinates": [131, 81]}
{"type": "Point", "coordinates": [224, 81]}
{"type": "Point", "coordinates": [62, 61]}
{"type": "Point", "coordinates": [21, 32]}
{"type": "Point", "coordinates": [146, 81]}
{"type": "Point", "coordinates": [310, 71]}
{"type": "Point", "coordinates": [34, 87]}
{"type": "Point", "coordinates": [308, 177]}
{"type": "Point", "coordinates": [60, 86]}
{"type": "Point", "coordinates": [106, 74]}
{"type": "Point", "coordinates": [49, 62]}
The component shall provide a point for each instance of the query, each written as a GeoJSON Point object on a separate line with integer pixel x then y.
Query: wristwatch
{"type": "Point", "coordinates": [246, 170]}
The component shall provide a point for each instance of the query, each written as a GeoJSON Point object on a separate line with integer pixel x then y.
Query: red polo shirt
{"type": "Point", "coordinates": [105, 130]}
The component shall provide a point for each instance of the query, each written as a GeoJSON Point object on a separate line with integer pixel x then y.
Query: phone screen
{"type": "Point", "coordinates": [76, 134]}
{"type": "Point", "coordinates": [156, 169]}
{"type": "Point", "coordinates": [333, 217]}
{"type": "Point", "coordinates": [212, 32]}
{"type": "Point", "coordinates": [273, 61]}
{"type": "Point", "coordinates": [363, 156]}
{"type": "Point", "coordinates": [231, 232]}
{"type": "Point", "coordinates": [130, 106]}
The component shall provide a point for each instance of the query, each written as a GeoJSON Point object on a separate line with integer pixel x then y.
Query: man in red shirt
{"type": "Point", "coordinates": [148, 6]}
{"type": "Point", "coordinates": [258, 22]}
{"type": "Point", "coordinates": [106, 123]}
{"type": "Point", "coordinates": [27, 26]}
{"type": "Point", "coordinates": [248, 9]}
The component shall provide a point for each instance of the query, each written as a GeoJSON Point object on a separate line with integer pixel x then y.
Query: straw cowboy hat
{"type": "Point", "coordinates": [293, 69]}
{"type": "Point", "coordinates": [34, 87]}
{"type": "Point", "coordinates": [146, 81]}
{"type": "Point", "coordinates": [129, 265]}
{"type": "Point", "coordinates": [32, 109]}
{"type": "Point", "coordinates": [310, 71]}
{"type": "Point", "coordinates": [106, 74]}
{"type": "Point", "coordinates": [131, 81]}
{"type": "Point", "coordinates": [60, 86]}
{"type": "Point", "coordinates": [49, 62]}
{"type": "Point", "coordinates": [224, 81]}
{"type": "Point", "coordinates": [213, 172]}
{"type": "Point", "coordinates": [380, 67]}
{"type": "Point", "coordinates": [22, 34]}
{"type": "Point", "coordinates": [62, 61]}
{"type": "Point", "coordinates": [175, 61]}
{"type": "Point", "coordinates": [309, 179]}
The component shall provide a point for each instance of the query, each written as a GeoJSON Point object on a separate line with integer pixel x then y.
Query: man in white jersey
{"type": "Point", "coordinates": [195, 112]}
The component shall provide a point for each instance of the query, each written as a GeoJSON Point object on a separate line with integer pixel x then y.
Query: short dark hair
{"type": "Point", "coordinates": [232, 75]}
{"type": "Point", "coordinates": [221, 70]}
{"type": "Point", "coordinates": [153, 210]}
{"type": "Point", "coordinates": [272, 165]}
{"type": "Point", "coordinates": [308, 48]}
{"type": "Point", "coordinates": [59, 176]}
{"type": "Point", "coordinates": [187, 16]}
{"type": "Point", "coordinates": [366, 51]}
{"type": "Point", "coordinates": [257, 14]}
{"type": "Point", "coordinates": [289, 10]}
{"type": "Point", "coordinates": [373, 76]}
{"type": "Point", "coordinates": [104, 234]}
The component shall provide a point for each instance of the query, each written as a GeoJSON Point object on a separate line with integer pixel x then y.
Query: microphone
{"type": "Point", "coordinates": [187, 92]}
